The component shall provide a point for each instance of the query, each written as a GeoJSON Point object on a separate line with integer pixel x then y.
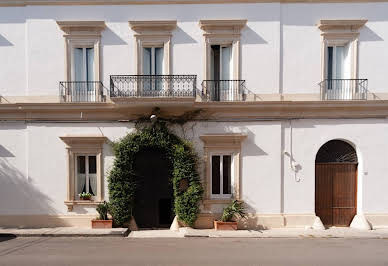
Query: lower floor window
{"type": "Point", "coordinates": [86, 174]}
{"type": "Point", "coordinates": [221, 175]}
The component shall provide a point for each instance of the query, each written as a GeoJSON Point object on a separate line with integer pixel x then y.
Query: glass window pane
{"type": "Point", "coordinates": [92, 165]}
{"type": "Point", "coordinates": [78, 65]}
{"type": "Point", "coordinates": [216, 174]}
{"type": "Point", "coordinates": [146, 61]}
{"type": "Point", "coordinates": [329, 62]}
{"type": "Point", "coordinates": [226, 63]}
{"type": "Point", "coordinates": [81, 176]}
{"type": "Point", "coordinates": [226, 171]}
{"type": "Point", "coordinates": [159, 54]}
{"type": "Point", "coordinates": [89, 64]}
{"type": "Point", "coordinates": [215, 62]}
{"type": "Point", "coordinates": [339, 61]}
{"type": "Point", "coordinates": [93, 184]}
{"type": "Point", "coordinates": [81, 164]}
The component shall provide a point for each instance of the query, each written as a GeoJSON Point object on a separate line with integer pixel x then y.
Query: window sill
{"type": "Point", "coordinates": [70, 204]}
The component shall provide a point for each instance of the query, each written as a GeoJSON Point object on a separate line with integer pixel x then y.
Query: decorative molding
{"type": "Point", "coordinates": [222, 143]}
{"type": "Point", "coordinates": [347, 25]}
{"type": "Point", "coordinates": [83, 145]}
{"type": "Point", "coordinates": [230, 27]}
{"type": "Point", "coordinates": [151, 27]}
{"type": "Point", "coordinates": [340, 32]}
{"type": "Point", "coordinates": [82, 27]}
{"type": "Point", "coordinates": [223, 32]}
{"type": "Point", "coordinates": [227, 111]}
{"type": "Point", "coordinates": [153, 33]}
{"type": "Point", "coordinates": [81, 34]}
{"type": "Point", "coordinates": [166, 2]}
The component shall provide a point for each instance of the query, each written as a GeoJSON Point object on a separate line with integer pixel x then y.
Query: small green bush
{"type": "Point", "coordinates": [233, 210]}
{"type": "Point", "coordinates": [103, 209]}
{"type": "Point", "coordinates": [183, 160]}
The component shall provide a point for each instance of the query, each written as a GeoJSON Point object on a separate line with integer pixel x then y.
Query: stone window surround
{"type": "Point", "coordinates": [82, 34]}
{"type": "Point", "coordinates": [153, 33]}
{"type": "Point", "coordinates": [340, 32]}
{"type": "Point", "coordinates": [75, 145]}
{"type": "Point", "coordinates": [225, 144]}
{"type": "Point", "coordinates": [223, 32]}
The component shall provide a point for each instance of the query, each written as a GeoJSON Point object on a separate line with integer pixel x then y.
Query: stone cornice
{"type": "Point", "coordinates": [341, 24]}
{"type": "Point", "coordinates": [231, 26]}
{"type": "Point", "coordinates": [224, 140]}
{"type": "Point", "coordinates": [153, 26]}
{"type": "Point", "coordinates": [73, 141]}
{"type": "Point", "coordinates": [165, 2]}
{"type": "Point", "coordinates": [81, 27]}
{"type": "Point", "coordinates": [269, 110]}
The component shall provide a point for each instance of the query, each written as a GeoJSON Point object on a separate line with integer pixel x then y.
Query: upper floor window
{"type": "Point", "coordinates": [83, 64]}
{"type": "Point", "coordinates": [222, 59]}
{"type": "Point", "coordinates": [82, 61]}
{"type": "Point", "coordinates": [153, 60]}
{"type": "Point", "coordinates": [221, 67]}
{"type": "Point", "coordinates": [340, 79]}
{"type": "Point", "coordinates": [153, 46]}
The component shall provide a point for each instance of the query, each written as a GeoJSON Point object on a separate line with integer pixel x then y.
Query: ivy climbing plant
{"type": "Point", "coordinates": [183, 171]}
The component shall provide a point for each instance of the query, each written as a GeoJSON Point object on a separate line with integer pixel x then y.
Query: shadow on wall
{"type": "Point", "coordinates": [4, 153]}
{"type": "Point", "coordinates": [4, 41]}
{"type": "Point", "coordinates": [18, 195]}
{"type": "Point", "coordinates": [109, 37]}
{"type": "Point", "coordinates": [249, 147]}
{"type": "Point", "coordinates": [181, 37]}
{"type": "Point", "coordinates": [367, 35]}
{"type": "Point", "coordinates": [249, 36]}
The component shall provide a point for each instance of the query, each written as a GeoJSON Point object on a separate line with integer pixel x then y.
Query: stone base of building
{"type": "Point", "coordinates": [204, 221]}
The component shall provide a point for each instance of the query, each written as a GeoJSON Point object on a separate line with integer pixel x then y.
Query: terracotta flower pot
{"type": "Point", "coordinates": [86, 198]}
{"type": "Point", "coordinates": [219, 225]}
{"type": "Point", "coordinates": [101, 224]}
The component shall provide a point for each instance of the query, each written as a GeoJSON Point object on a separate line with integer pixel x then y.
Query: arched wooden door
{"type": "Point", "coordinates": [336, 183]}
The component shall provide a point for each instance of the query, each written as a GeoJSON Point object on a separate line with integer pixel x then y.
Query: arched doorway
{"type": "Point", "coordinates": [336, 183]}
{"type": "Point", "coordinates": [154, 192]}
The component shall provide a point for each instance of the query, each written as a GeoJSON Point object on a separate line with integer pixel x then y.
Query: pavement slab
{"type": "Point", "coordinates": [64, 232]}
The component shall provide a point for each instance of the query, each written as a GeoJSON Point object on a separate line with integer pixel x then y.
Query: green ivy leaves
{"type": "Point", "coordinates": [122, 178]}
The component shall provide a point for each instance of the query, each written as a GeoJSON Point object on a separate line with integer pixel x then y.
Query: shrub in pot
{"type": "Point", "coordinates": [233, 211]}
{"type": "Point", "coordinates": [102, 221]}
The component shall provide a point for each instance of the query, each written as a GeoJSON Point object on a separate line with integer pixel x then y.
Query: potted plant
{"type": "Point", "coordinates": [231, 212]}
{"type": "Point", "coordinates": [85, 196]}
{"type": "Point", "coordinates": [102, 221]}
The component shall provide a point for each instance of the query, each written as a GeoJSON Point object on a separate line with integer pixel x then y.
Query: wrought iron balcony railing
{"type": "Point", "coordinates": [81, 91]}
{"type": "Point", "coordinates": [224, 90]}
{"type": "Point", "coordinates": [344, 89]}
{"type": "Point", "coordinates": [153, 86]}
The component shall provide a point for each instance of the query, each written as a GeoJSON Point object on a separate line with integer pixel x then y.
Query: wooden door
{"type": "Point", "coordinates": [336, 193]}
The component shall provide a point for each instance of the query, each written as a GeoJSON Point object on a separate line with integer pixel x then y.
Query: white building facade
{"type": "Point", "coordinates": [293, 99]}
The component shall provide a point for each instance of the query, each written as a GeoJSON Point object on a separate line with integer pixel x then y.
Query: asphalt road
{"type": "Point", "coordinates": [192, 251]}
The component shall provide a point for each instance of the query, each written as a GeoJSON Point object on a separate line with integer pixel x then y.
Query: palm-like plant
{"type": "Point", "coordinates": [235, 209]}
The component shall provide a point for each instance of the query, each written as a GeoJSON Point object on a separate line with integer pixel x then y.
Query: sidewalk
{"type": "Point", "coordinates": [334, 232]}
{"type": "Point", "coordinates": [65, 232]}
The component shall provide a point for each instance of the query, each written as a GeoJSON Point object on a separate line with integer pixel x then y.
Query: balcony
{"type": "Point", "coordinates": [224, 90]}
{"type": "Point", "coordinates": [344, 89]}
{"type": "Point", "coordinates": [169, 86]}
{"type": "Point", "coordinates": [81, 91]}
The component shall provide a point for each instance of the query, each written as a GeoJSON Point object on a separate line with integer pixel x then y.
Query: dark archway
{"type": "Point", "coordinates": [154, 193]}
{"type": "Point", "coordinates": [133, 159]}
{"type": "Point", "coordinates": [336, 183]}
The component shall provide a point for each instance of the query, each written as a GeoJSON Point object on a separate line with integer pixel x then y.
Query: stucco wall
{"type": "Point", "coordinates": [33, 162]}
{"type": "Point", "coordinates": [280, 44]}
